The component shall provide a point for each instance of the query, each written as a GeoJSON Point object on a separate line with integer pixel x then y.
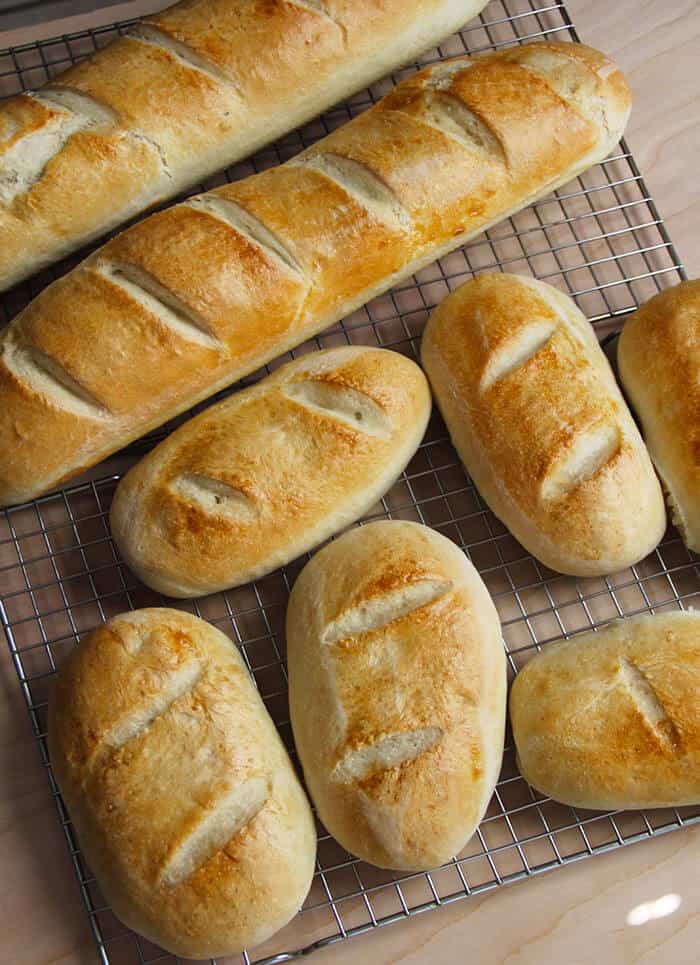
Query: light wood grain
{"type": "Point", "coordinates": [574, 916]}
{"type": "Point", "coordinates": [657, 43]}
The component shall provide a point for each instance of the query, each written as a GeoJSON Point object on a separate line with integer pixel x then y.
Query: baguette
{"type": "Point", "coordinates": [271, 472]}
{"type": "Point", "coordinates": [612, 719]}
{"type": "Point", "coordinates": [185, 93]}
{"type": "Point", "coordinates": [535, 414]}
{"type": "Point", "coordinates": [195, 297]}
{"type": "Point", "coordinates": [397, 693]}
{"type": "Point", "coordinates": [182, 795]}
{"type": "Point", "coordinates": [658, 360]}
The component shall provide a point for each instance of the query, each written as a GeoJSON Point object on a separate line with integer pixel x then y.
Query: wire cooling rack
{"type": "Point", "coordinates": [600, 239]}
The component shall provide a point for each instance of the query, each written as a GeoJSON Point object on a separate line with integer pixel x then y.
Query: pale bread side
{"type": "Point", "coordinates": [658, 357]}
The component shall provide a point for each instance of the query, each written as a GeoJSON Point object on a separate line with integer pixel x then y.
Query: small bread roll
{"type": "Point", "coordinates": [397, 691]}
{"type": "Point", "coordinates": [612, 719]}
{"type": "Point", "coordinates": [534, 412]}
{"type": "Point", "coordinates": [272, 471]}
{"type": "Point", "coordinates": [658, 358]}
{"type": "Point", "coordinates": [181, 792]}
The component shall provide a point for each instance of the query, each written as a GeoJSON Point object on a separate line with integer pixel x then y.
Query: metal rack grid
{"type": "Point", "coordinates": [600, 239]}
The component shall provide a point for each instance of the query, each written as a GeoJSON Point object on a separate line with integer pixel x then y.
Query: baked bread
{"type": "Point", "coordinates": [534, 412]}
{"type": "Point", "coordinates": [612, 719]}
{"type": "Point", "coordinates": [197, 296]}
{"type": "Point", "coordinates": [272, 471]}
{"type": "Point", "coordinates": [184, 93]}
{"type": "Point", "coordinates": [658, 359]}
{"type": "Point", "coordinates": [184, 800]}
{"type": "Point", "coordinates": [397, 693]}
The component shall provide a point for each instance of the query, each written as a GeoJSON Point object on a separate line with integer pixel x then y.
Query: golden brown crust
{"type": "Point", "coordinates": [154, 728]}
{"type": "Point", "coordinates": [534, 412]}
{"type": "Point", "coordinates": [330, 229]}
{"type": "Point", "coordinates": [393, 633]}
{"type": "Point", "coordinates": [183, 94]}
{"type": "Point", "coordinates": [612, 719]}
{"type": "Point", "coordinates": [271, 472]}
{"type": "Point", "coordinates": [659, 362]}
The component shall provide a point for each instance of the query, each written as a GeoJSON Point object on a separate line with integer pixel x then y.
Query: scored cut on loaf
{"type": "Point", "coordinates": [197, 296]}
{"type": "Point", "coordinates": [180, 95]}
{"type": "Point", "coordinates": [182, 795]}
{"type": "Point", "coordinates": [272, 471]}
{"type": "Point", "coordinates": [611, 719]}
{"type": "Point", "coordinates": [533, 409]}
{"type": "Point", "coordinates": [397, 693]}
{"type": "Point", "coordinates": [658, 358]}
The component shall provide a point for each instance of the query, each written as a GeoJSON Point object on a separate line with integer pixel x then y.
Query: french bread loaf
{"type": "Point", "coordinates": [658, 360]}
{"type": "Point", "coordinates": [181, 95]}
{"type": "Point", "coordinates": [612, 719]}
{"type": "Point", "coordinates": [183, 798]}
{"type": "Point", "coordinates": [272, 471]}
{"type": "Point", "coordinates": [532, 408]}
{"type": "Point", "coordinates": [397, 693]}
{"type": "Point", "coordinates": [197, 296]}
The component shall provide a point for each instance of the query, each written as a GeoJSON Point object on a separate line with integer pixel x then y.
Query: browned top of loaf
{"type": "Point", "coordinates": [452, 148]}
{"type": "Point", "coordinates": [157, 738]}
{"type": "Point", "coordinates": [52, 197]}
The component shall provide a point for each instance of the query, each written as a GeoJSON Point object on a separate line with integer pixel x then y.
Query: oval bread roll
{"type": "Point", "coordinates": [397, 691]}
{"type": "Point", "coordinates": [272, 471]}
{"type": "Point", "coordinates": [180, 790]}
{"type": "Point", "coordinates": [612, 719]}
{"type": "Point", "coordinates": [658, 358]}
{"type": "Point", "coordinates": [534, 412]}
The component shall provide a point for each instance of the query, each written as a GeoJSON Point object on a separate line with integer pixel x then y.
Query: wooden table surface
{"type": "Point", "coordinates": [573, 916]}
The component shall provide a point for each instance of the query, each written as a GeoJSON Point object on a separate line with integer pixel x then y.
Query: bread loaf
{"type": "Point", "coordinates": [535, 414]}
{"type": "Point", "coordinates": [397, 692]}
{"type": "Point", "coordinates": [612, 719]}
{"type": "Point", "coordinates": [182, 795]}
{"type": "Point", "coordinates": [195, 297]}
{"type": "Point", "coordinates": [272, 471]}
{"type": "Point", "coordinates": [181, 95]}
{"type": "Point", "coordinates": [658, 359]}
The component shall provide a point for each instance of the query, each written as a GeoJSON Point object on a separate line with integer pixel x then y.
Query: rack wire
{"type": "Point", "coordinates": [602, 240]}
